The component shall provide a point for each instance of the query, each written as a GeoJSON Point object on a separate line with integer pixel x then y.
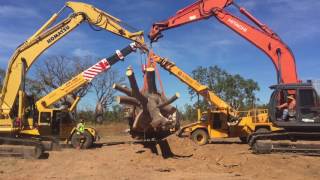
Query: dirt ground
{"type": "Point", "coordinates": [117, 160]}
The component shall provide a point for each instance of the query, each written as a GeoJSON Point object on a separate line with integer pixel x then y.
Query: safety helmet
{"type": "Point", "coordinates": [291, 97]}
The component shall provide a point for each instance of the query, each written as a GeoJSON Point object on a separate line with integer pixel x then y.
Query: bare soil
{"type": "Point", "coordinates": [117, 158]}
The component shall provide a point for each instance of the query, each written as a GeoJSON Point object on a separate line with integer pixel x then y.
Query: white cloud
{"type": "Point", "coordinates": [82, 52]}
{"type": "Point", "coordinates": [17, 12]}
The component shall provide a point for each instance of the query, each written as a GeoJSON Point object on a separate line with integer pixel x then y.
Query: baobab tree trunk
{"type": "Point", "coordinates": [150, 112]}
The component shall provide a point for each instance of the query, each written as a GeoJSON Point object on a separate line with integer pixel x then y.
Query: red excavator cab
{"type": "Point", "coordinates": [306, 114]}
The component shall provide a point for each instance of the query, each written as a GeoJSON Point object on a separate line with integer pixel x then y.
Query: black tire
{"type": "Point", "coordinates": [75, 142]}
{"type": "Point", "coordinates": [200, 137]}
{"type": "Point", "coordinates": [86, 140]}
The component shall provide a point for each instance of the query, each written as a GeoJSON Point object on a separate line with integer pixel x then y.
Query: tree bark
{"type": "Point", "coordinates": [134, 86]}
{"type": "Point", "coordinates": [151, 111]}
{"type": "Point", "coordinates": [127, 100]}
{"type": "Point", "coordinates": [122, 89]}
{"type": "Point", "coordinates": [151, 82]}
{"type": "Point", "coordinates": [169, 101]}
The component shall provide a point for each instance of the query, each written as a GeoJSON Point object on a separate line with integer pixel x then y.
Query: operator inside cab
{"type": "Point", "coordinates": [289, 108]}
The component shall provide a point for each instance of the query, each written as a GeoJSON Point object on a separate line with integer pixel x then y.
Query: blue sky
{"type": "Point", "coordinates": [203, 43]}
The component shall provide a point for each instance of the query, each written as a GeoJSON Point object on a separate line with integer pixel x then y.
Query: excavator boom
{"type": "Point", "coordinates": [261, 35]}
{"type": "Point", "coordinates": [104, 20]}
{"type": "Point", "coordinates": [83, 78]}
{"type": "Point", "coordinates": [203, 90]}
{"type": "Point", "coordinates": [26, 54]}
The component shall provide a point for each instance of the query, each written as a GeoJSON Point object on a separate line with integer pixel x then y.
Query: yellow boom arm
{"type": "Point", "coordinates": [26, 54]}
{"type": "Point", "coordinates": [83, 78]}
{"type": "Point", "coordinates": [195, 85]}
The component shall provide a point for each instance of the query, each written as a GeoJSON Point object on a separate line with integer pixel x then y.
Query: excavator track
{"type": "Point", "coordinates": [306, 143]}
{"type": "Point", "coordinates": [21, 147]}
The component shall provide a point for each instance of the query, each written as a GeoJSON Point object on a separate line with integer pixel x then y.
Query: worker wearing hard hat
{"type": "Point", "coordinates": [289, 107]}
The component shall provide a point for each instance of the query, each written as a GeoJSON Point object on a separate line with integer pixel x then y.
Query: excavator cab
{"type": "Point", "coordinates": [56, 122]}
{"type": "Point", "coordinates": [306, 113]}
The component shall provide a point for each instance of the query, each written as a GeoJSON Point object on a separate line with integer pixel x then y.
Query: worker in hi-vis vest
{"type": "Point", "coordinates": [80, 131]}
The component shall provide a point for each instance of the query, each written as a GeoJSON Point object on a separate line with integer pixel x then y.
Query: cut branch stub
{"type": "Point", "coordinates": [134, 86]}
{"type": "Point", "coordinates": [127, 100]}
{"type": "Point", "coordinates": [169, 101]}
{"type": "Point", "coordinates": [122, 89]}
{"type": "Point", "coordinates": [151, 82]}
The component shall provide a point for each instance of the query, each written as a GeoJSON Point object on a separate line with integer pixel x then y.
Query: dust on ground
{"type": "Point", "coordinates": [117, 160]}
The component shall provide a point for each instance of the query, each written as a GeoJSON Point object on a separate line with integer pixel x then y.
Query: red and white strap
{"type": "Point", "coordinates": [96, 69]}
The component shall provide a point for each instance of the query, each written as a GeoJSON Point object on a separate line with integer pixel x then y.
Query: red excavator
{"type": "Point", "coordinates": [299, 129]}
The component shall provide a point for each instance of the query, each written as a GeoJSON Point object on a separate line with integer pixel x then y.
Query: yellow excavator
{"type": "Point", "coordinates": [222, 121]}
{"type": "Point", "coordinates": [19, 135]}
{"type": "Point", "coordinates": [59, 122]}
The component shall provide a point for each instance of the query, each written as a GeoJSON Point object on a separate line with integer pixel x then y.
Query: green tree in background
{"type": "Point", "coordinates": [112, 114]}
{"type": "Point", "coordinates": [190, 113]}
{"type": "Point", "coordinates": [115, 113]}
{"type": "Point", "coordinates": [234, 89]}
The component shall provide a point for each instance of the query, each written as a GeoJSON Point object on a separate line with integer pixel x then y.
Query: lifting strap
{"type": "Point", "coordinates": [150, 63]}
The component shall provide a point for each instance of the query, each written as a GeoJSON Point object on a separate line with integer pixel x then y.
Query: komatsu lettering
{"type": "Point", "coordinates": [59, 33]}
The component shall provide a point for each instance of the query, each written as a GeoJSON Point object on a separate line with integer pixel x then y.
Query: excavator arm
{"type": "Point", "coordinates": [83, 78]}
{"type": "Point", "coordinates": [260, 35]}
{"type": "Point", "coordinates": [27, 53]}
{"type": "Point", "coordinates": [106, 21]}
{"type": "Point", "coordinates": [203, 90]}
